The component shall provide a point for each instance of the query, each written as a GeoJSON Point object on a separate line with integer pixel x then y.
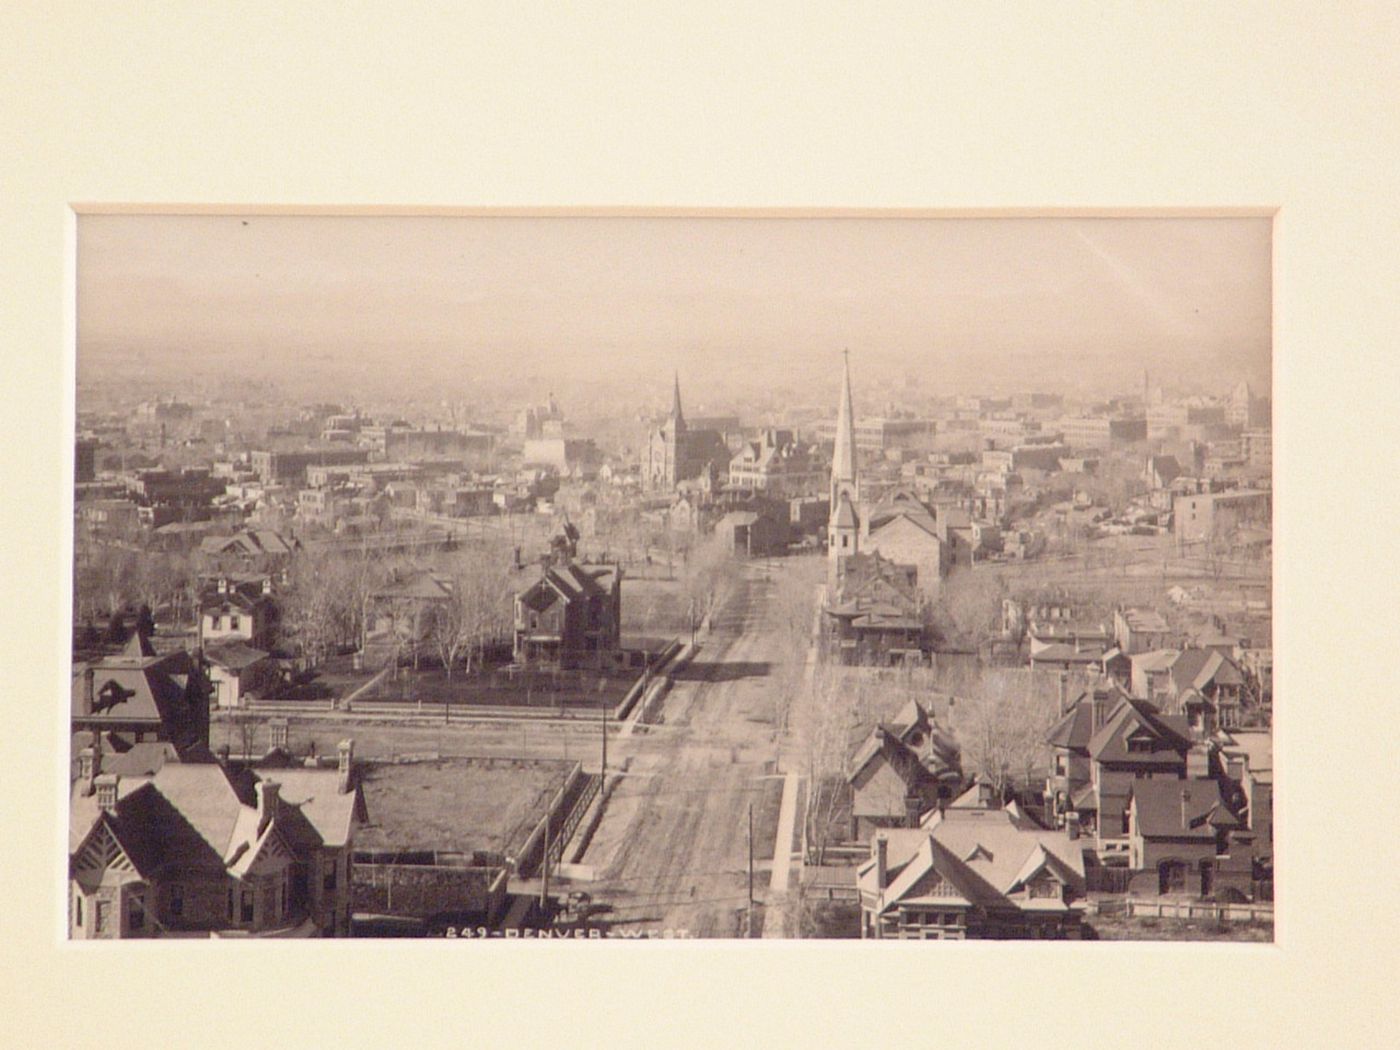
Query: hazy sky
{"type": "Point", "coordinates": [635, 297]}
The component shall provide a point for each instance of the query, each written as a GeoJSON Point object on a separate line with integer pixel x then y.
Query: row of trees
{"type": "Point", "coordinates": [108, 578]}
{"type": "Point", "coordinates": [478, 609]}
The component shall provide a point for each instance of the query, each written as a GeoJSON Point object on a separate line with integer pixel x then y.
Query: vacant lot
{"type": "Point", "coordinates": [457, 805]}
{"type": "Point", "coordinates": [499, 687]}
{"type": "Point", "coordinates": [654, 607]}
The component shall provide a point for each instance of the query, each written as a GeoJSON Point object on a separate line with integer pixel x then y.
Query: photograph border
{"type": "Point", "coordinates": [1282, 103]}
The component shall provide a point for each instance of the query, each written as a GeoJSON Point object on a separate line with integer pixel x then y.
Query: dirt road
{"type": "Point", "coordinates": [671, 851]}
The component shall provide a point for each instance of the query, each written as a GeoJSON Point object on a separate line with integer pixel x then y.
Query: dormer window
{"type": "Point", "coordinates": [1043, 886]}
{"type": "Point", "coordinates": [1140, 745]}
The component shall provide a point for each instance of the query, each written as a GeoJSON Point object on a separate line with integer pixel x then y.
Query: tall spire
{"type": "Point", "coordinates": [843, 458]}
{"type": "Point", "coordinates": [676, 415]}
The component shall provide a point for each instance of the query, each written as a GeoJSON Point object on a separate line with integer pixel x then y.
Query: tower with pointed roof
{"type": "Point", "coordinates": [844, 531]}
{"type": "Point", "coordinates": [677, 453]}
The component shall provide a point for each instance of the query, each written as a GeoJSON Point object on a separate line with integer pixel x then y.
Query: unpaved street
{"type": "Point", "coordinates": [671, 851]}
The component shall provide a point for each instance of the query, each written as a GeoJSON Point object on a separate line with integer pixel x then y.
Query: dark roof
{"type": "Point", "coordinates": [1197, 668]}
{"type": "Point", "coordinates": [1162, 803]}
{"type": "Point", "coordinates": [202, 816]}
{"type": "Point", "coordinates": [1132, 716]}
{"type": "Point", "coordinates": [1074, 729]}
{"type": "Point", "coordinates": [152, 689]}
{"type": "Point", "coordinates": [234, 655]}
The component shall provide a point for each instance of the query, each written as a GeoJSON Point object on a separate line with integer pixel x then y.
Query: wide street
{"type": "Point", "coordinates": [671, 853]}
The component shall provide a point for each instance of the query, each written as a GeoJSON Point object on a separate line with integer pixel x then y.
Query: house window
{"type": "Point", "coordinates": [1044, 888]}
{"type": "Point", "coordinates": [137, 915]}
{"type": "Point", "coordinates": [245, 905]}
{"type": "Point", "coordinates": [78, 910]}
{"type": "Point", "coordinates": [177, 900]}
{"type": "Point", "coordinates": [102, 909]}
{"type": "Point", "coordinates": [216, 622]}
{"type": "Point", "coordinates": [230, 904]}
{"type": "Point", "coordinates": [329, 883]}
{"type": "Point", "coordinates": [1140, 746]}
{"type": "Point", "coordinates": [233, 623]}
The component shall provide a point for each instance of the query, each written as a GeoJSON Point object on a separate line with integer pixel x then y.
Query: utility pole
{"type": "Point", "coordinates": [544, 881]}
{"type": "Point", "coordinates": [750, 915]}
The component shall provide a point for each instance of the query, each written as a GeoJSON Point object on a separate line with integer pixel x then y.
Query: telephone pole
{"type": "Point", "coordinates": [750, 914]}
{"type": "Point", "coordinates": [544, 870]}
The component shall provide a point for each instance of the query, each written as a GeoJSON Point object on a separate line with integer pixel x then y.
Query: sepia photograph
{"type": "Point", "coordinates": [671, 575]}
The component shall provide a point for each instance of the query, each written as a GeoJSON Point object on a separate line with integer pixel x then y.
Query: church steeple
{"type": "Point", "coordinates": [677, 417]}
{"type": "Point", "coordinates": [843, 457]}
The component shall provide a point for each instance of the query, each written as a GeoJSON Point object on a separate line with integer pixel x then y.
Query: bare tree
{"type": "Point", "coordinates": [1001, 728]}
{"type": "Point", "coordinates": [968, 608]}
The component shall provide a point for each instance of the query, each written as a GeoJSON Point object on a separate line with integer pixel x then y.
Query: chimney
{"type": "Point", "coordinates": [912, 808]}
{"type": "Point", "coordinates": [1064, 691]}
{"type": "Point", "coordinates": [105, 786]}
{"type": "Point", "coordinates": [1072, 826]}
{"type": "Point", "coordinates": [882, 860]}
{"type": "Point", "coordinates": [268, 794]}
{"type": "Point", "coordinates": [1185, 807]}
{"type": "Point", "coordinates": [89, 766]}
{"type": "Point", "coordinates": [346, 750]}
{"type": "Point", "coordinates": [1098, 703]}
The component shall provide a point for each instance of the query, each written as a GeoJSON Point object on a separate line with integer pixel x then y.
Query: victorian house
{"type": "Point", "coordinates": [204, 850]}
{"type": "Point", "coordinates": [968, 873]}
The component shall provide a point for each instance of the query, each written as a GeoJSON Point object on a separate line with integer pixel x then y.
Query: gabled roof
{"type": "Point", "coordinates": [984, 855]}
{"type": "Point", "coordinates": [1168, 808]}
{"type": "Point", "coordinates": [881, 743]}
{"type": "Point", "coordinates": [1154, 659]}
{"type": "Point", "coordinates": [920, 523]}
{"type": "Point", "coordinates": [1064, 653]}
{"type": "Point", "coordinates": [1198, 668]}
{"type": "Point", "coordinates": [1074, 729]}
{"type": "Point", "coordinates": [198, 815]}
{"type": "Point", "coordinates": [1131, 717]}
{"type": "Point", "coordinates": [234, 656]}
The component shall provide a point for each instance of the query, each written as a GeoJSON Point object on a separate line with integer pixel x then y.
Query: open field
{"type": "Point", "coordinates": [501, 688]}
{"type": "Point", "coordinates": [456, 804]}
{"type": "Point", "coordinates": [388, 740]}
{"type": "Point", "coordinates": [654, 607]}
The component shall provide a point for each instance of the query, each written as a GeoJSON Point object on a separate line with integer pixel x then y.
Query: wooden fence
{"type": "Point", "coordinates": [1162, 908]}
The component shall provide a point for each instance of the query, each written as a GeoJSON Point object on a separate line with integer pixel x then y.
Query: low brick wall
{"type": "Point", "coordinates": [422, 891]}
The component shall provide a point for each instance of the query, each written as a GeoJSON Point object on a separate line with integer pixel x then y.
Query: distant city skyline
{"type": "Point", "coordinates": [738, 305]}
